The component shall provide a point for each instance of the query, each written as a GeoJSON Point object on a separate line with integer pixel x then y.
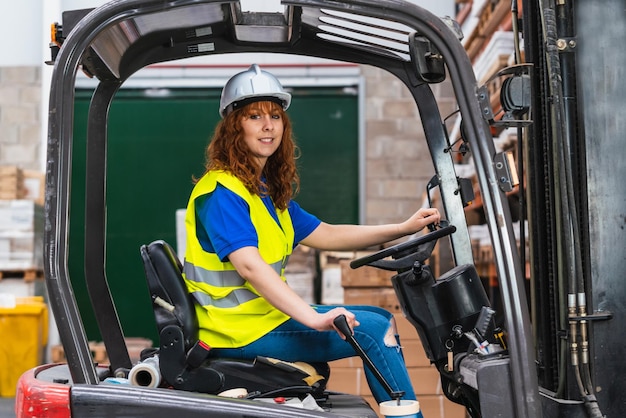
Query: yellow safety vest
{"type": "Point", "coordinates": [231, 313]}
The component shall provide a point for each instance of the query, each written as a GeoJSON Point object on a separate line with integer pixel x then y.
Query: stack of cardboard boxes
{"type": "Point", "coordinates": [371, 286]}
{"type": "Point", "coordinates": [134, 345]}
{"type": "Point", "coordinates": [21, 223]}
{"type": "Point", "coordinates": [21, 239]}
{"type": "Point", "coordinates": [17, 183]}
{"type": "Point", "coordinates": [11, 183]}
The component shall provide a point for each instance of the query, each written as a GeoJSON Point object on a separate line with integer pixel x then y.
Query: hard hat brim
{"type": "Point", "coordinates": [281, 101]}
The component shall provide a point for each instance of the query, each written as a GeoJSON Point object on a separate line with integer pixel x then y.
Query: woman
{"type": "Point", "coordinates": [242, 225]}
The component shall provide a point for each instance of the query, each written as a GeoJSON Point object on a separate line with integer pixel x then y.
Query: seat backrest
{"type": "Point", "coordinates": [172, 304]}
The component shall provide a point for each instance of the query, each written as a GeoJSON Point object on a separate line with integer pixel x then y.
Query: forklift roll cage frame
{"type": "Point", "coordinates": [121, 37]}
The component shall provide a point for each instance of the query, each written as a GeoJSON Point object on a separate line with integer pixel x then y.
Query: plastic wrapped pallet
{"type": "Point", "coordinates": [21, 235]}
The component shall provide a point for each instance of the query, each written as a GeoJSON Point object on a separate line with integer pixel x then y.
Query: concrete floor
{"type": "Point", "coordinates": [7, 407]}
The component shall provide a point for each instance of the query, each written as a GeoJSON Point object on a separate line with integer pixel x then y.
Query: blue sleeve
{"type": "Point", "coordinates": [303, 222]}
{"type": "Point", "coordinates": [223, 223]}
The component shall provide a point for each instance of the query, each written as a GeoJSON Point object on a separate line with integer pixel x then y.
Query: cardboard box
{"type": "Point", "coordinates": [300, 272]}
{"type": "Point", "coordinates": [333, 258]}
{"type": "Point", "coordinates": [34, 186]}
{"type": "Point", "coordinates": [349, 380]}
{"type": "Point", "coordinates": [302, 284]}
{"type": "Point", "coordinates": [21, 250]}
{"type": "Point", "coordinates": [431, 406]}
{"type": "Point", "coordinates": [406, 330]}
{"type": "Point", "coordinates": [438, 406]}
{"type": "Point", "coordinates": [134, 345]}
{"type": "Point", "coordinates": [10, 171]}
{"type": "Point", "coordinates": [11, 183]}
{"type": "Point", "coordinates": [383, 297]}
{"type": "Point", "coordinates": [21, 215]}
{"type": "Point", "coordinates": [21, 235]}
{"type": "Point", "coordinates": [426, 380]}
{"type": "Point", "coordinates": [365, 276]}
{"type": "Point", "coordinates": [332, 291]}
{"type": "Point", "coordinates": [452, 410]}
{"type": "Point", "coordinates": [414, 354]}
{"type": "Point", "coordinates": [346, 363]}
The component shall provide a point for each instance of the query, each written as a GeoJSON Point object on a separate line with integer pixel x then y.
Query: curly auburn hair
{"type": "Point", "coordinates": [228, 151]}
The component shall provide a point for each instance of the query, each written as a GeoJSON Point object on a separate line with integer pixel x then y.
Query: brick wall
{"type": "Point", "coordinates": [397, 161]}
{"type": "Point", "coordinates": [20, 121]}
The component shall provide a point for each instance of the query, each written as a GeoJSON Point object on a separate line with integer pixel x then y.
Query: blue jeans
{"type": "Point", "coordinates": [293, 341]}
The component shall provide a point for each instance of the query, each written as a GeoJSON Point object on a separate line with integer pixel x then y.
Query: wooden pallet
{"type": "Point", "coordinates": [28, 275]}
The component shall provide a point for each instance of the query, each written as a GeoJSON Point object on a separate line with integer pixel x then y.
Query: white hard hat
{"type": "Point", "coordinates": [252, 85]}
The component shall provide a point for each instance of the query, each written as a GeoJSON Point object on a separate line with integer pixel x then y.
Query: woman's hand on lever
{"type": "Point", "coordinates": [329, 319]}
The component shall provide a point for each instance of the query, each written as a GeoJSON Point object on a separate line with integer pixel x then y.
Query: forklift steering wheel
{"type": "Point", "coordinates": [404, 247]}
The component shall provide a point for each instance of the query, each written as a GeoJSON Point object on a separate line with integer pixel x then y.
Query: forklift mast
{"type": "Point", "coordinates": [576, 201]}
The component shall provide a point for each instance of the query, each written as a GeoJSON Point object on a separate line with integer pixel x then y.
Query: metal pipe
{"type": "Point", "coordinates": [567, 57]}
{"type": "Point", "coordinates": [553, 65]}
{"type": "Point", "coordinates": [562, 81]}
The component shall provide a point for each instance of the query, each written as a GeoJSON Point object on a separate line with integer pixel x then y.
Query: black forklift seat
{"type": "Point", "coordinates": [184, 360]}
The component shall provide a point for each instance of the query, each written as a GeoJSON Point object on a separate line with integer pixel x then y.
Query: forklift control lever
{"type": "Point", "coordinates": [342, 325]}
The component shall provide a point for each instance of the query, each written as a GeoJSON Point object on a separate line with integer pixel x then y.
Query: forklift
{"type": "Point", "coordinates": [556, 352]}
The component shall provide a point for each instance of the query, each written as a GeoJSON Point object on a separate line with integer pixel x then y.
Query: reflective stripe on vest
{"type": "Point", "coordinates": [229, 278]}
{"type": "Point", "coordinates": [225, 278]}
{"type": "Point", "coordinates": [233, 299]}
